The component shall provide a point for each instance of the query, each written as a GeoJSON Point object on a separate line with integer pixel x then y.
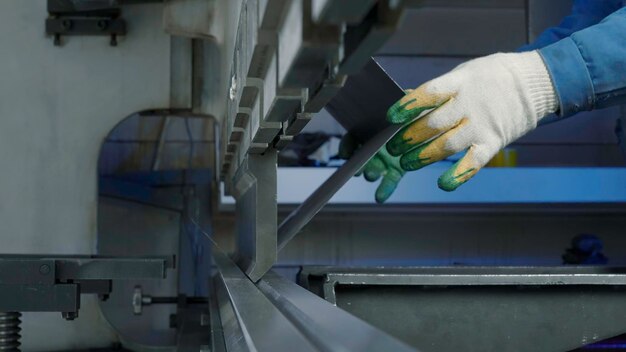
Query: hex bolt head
{"type": "Point", "coordinates": [137, 300]}
{"type": "Point", "coordinates": [44, 269]}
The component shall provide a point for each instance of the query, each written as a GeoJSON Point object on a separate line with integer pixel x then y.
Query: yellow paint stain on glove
{"type": "Point", "coordinates": [412, 136]}
{"type": "Point", "coordinates": [459, 173]}
{"type": "Point", "coordinates": [507, 157]}
{"type": "Point", "coordinates": [413, 104]}
{"type": "Point", "coordinates": [433, 151]}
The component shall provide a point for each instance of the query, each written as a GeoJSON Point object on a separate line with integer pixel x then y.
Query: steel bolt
{"type": "Point", "coordinates": [137, 300]}
{"type": "Point", "coordinates": [44, 269]}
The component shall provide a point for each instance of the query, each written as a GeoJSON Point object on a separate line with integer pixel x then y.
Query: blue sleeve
{"type": "Point", "coordinates": [585, 13]}
{"type": "Point", "coordinates": [588, 68]}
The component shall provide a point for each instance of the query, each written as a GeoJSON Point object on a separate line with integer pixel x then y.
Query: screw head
{"type": "Point", "coordinates": [44, 269]}
{"type": "Point", "coordinates": [137, 300]}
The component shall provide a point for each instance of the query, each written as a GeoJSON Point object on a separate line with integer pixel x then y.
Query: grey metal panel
{"type": "Point", "coordinates": [285, 104]}
{"type": "Point", "coordinates": [216, 332]}
{"type": "Point", "coordinates": [338, 12]}
{"type": "Point", "coordinates": [298, 123]}
{"type": "Point", "coordinates": [360, 106]}
{"type": "Point", "coordinates": [113, 268]}
{"type": "Point", "coordinates": [295, 221]}
{"type": "Point", "coordinates": [191, 324]}
{"type": "Point", "coordinates": [58, 104]}
{"type": "Point", "coordinates": [435, 30]}
{"type": "Point", "coordinates": [250, 321]}
{"type": "Point", "coordinates": [257, 214]}
{"type": "Point", "coordinates": [30, 283]}
{"type": "Point", "coordinates": [181, 73]}
{"type": "Point", "coordinates": [329, 328]}
{"type": "Point", "coordinates": [364, 39]}
{"type": "Point", "coordinates": [498, 319]}
{"type": "Point", "coordinates": [127, 228]}
{"type": "Point", "coordinates": [44, 269]}
{"type": "Point", "coordinates": [446, 234]}
{"type": "Point", "coordinates": [277, 315]}
{"type": "Point", "coordinates": [482, 308]}
{"type": "Point", "coordinates": [17, 271]}
{"type": "Point", "coordinates": [39, 298]}
{"type": "Point", "coordinates": [473, 275]}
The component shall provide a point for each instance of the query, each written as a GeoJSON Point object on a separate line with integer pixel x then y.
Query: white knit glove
{"type": "Point", "coordinates": [481, 106]}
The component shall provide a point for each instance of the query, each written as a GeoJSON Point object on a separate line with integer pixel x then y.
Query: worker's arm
{"type": "Point", "coordinates": [487, 103]}
{"type": "Point", "coordinates": [478, 107]}
{"type": "Point", "coordinates": [588, 68]}
{"type": "Point", "coordinates": [585, 13]}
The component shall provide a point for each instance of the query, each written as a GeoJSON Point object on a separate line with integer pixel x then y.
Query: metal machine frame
{"type": "Point", "coordinates": [263, 68]}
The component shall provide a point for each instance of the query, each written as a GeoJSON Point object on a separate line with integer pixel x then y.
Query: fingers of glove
{"type": "Point", "coordinates": [463, 170]}
{"type": "Point", "coordinates": [387, 185]}
{"type": "Point", "coordinates": [374, 169]}
{"type": "Point", "coordinates": [451, 142]}
{"type": "Point", "coordinates": [414, 103]}
{"type": "Point", "coordinates": [347, 146]}
{"type": "Point", "coordinates": [391, 162]}
{"type": "Point", "coordinates": [433, 124]}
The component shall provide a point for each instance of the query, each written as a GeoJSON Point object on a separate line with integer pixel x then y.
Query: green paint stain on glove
{"type": "Point", "coordinates": [415, 159]}
{"type": "Point", "coordinates": [398, 113]}
{"type": "Point", "coordinates": [388, 185]}
{"type": "Point", "coordinates": [399, 145]}
{"type": "Point", "coordinates": [448, 182]}
{"type": "Point", "coordinates": [374, 168]}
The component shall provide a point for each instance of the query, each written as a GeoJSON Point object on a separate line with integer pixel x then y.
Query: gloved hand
{"type": "Point", "coordinates": [381, 165]}
{"type": "Point", "coordinates": [481, 106]}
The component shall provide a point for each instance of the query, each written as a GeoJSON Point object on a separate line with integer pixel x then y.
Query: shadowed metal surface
{"type": "Point", "coordinates": [278, 315]}
{"type": "Point", "coordinates": [481, 308]}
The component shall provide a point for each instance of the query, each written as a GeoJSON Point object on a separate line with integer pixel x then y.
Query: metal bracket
{"type": "Point", "coordinates": [255, 191]}
{"type": "Point", "coordinates": [43, 283]}
{"type": "Point", "coordinates": [95, 18]}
